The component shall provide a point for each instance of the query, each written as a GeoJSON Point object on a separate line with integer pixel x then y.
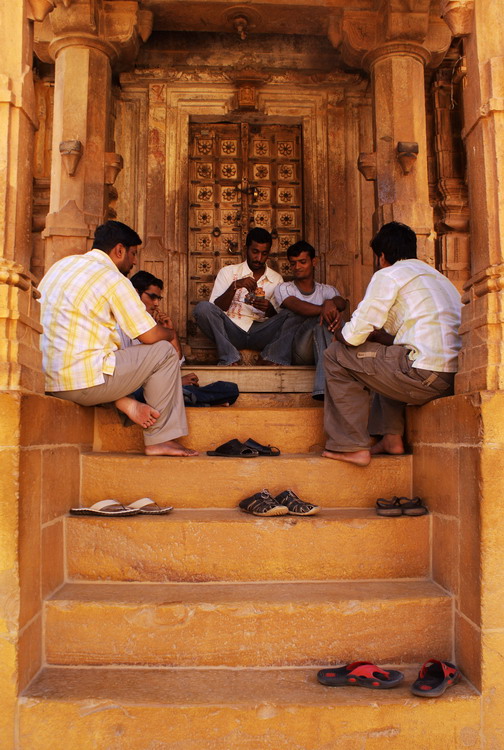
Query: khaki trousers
{"type": "Point", "coordinates": [156, 367]}
{"type": "Point", "coordinates": [352, 372]}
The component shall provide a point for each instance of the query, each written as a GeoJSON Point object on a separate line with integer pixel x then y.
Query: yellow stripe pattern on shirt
{"type": "Point", "coordinates": [84, 298]}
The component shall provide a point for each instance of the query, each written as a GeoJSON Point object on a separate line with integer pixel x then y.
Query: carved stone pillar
{"type": "Point", "coordinates": [452, 213]}
{"type": "Point", "coordinates": [402, 189]}
{"type": "Point", "coordinates": [86, 38]}
{"type": "Point", "coordinates": [395, 44]}
{"type": "Point", "coordinates": [482, 359]}
{"type": "Point", "coordinates": [20, 361]}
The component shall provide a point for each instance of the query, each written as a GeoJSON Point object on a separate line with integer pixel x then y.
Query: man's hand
{"type": "Point", "coordinates": [265, 306]}
{"type": "Point", "coordinates": [330, 315]}
{"type": "Point", "coordinates": [247, 283]}
{"type": "Point", "coordinates": [381, 336]}
{"type": "Point", "coordinates": [190, 379]}
{"type": "Point", "coordinates": [163, 319]}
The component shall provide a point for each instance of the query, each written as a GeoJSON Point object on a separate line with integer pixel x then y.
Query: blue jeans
{"type": "Point", "coordinates": [230, 338]}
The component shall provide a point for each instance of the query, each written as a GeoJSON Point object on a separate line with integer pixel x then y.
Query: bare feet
{"type": "Point", "coordinates": [359, 458]}
{"type": "Point", "coordinates": [392, 444]}
{"type": "Point", "coordinates": [139, 413]}
{"type": "Point", "coordinates": [169, 448]}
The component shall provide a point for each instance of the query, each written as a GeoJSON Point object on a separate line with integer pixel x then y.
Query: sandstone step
{"type": "Point", "coordinates": [223, 709]}
{"type": "Point", "coordinates": [227, 545]}
{"type": "Point", "coordinates": [258, 379]}
{"type": "Point", "coordinates": [293, 430]}
{"type": "Point", "coordinates": [247, 624]}
{"type": "Point", "coordinates": [209, 481]}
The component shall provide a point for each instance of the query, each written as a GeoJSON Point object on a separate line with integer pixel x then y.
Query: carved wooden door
{"type": "Point", "coordinates": [240, 176]}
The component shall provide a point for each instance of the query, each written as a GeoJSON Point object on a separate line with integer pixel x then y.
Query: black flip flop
{"type": "Point", "coordinates": [434, 678]}
{"type": "Point", "coordinates": [361, 674]}
{"type": "Point", "coordinates": [263, 450]}
{"type": "Point", "coordinates": [234, 449]}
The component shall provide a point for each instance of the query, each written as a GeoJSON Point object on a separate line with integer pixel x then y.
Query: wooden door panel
{"type": "Point", "coordinates": [241, 176]}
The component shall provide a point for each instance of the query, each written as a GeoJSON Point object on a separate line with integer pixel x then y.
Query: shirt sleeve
{"type": "Point", "coordinates": [280, 293]}
{"type": "Point", "coordinates": [330, 292]}
{"type": "Point", "coordinates": [128, 310]}
{"type": "Point", "coordinates": [372, 313]}
{"type": "Point", "coordinates": [221, 283]}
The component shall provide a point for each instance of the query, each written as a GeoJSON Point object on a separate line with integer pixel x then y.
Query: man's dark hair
{"type": "Point", "coordinates": [113, 233]}
{"type": "Point", "coordinates": [300, 247]}
{"type": "Point", "coordinates": [142, 280]}
{"type": "Point", "coordinates": [259, 235]}
{"type": "Point", "coordinates": [395, 241]}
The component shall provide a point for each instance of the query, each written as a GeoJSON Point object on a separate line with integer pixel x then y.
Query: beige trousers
{"type": "Point", "coordinates": [352, 372]}
{"type": "Point", "coordinates": [156, 367]}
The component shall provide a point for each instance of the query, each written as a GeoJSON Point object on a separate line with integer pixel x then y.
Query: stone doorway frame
{"type": "Point", "coordinates": [165, 103]}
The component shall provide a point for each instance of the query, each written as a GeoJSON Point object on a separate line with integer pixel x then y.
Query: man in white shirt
{"type": "Point", "coordinates": [402, 342]}
{"type": "Point", "coordinates": [242, 313]}
{"type": "Point", "coordinates": [314, 313]}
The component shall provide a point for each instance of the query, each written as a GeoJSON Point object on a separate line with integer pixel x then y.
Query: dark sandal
{"type": "Point", "coordinates": [262, 504]}
{"type": "Point", "coordinates": [361, 673]}
{"type": "Point", "coordinates": [263, 450]}
{"type": "Point", "coordinates": [296, 506]}
{"type": "Point", "coordinates": [412, 506]}
{"type": "Point", "coordinates": [434, 678]}
{"type": "Point", "coordinates": [386, 507]}
{"type": "Point", "coordinates": [234, 449]}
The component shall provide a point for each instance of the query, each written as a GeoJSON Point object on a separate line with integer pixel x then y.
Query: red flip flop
{"type": "Point", "coordinates": [434, 678]}
{"type": "Point", "coordinates": [361, 673]}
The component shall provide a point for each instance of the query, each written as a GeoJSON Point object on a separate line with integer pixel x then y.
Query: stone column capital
{"type": "Point", "coordinates": [114, 28]}
{"type": "Point", "coordinates": [364, 36]}
{"type": "Point", "coordinates": [397, 49]}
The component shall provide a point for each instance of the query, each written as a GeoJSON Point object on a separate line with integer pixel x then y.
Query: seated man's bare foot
{"type": "Point", "coordinates": [169, 448]}
{"type": "Point", "coordinates": [139, 413]}
{"type": "Point", "coordinates": [392, 444]}
{"type": "Point", "coordinates": [359, 458]}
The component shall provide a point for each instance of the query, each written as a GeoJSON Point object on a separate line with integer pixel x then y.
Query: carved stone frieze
{"type": "Point", "coordinates": [458, 14]}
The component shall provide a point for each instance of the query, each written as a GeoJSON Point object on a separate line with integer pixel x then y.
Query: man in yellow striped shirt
{"type": "Point", "coordinates": [84, 299]}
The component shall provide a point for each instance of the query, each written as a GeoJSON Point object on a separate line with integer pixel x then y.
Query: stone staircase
{"type": "Point", "coordinates": [205, 628]}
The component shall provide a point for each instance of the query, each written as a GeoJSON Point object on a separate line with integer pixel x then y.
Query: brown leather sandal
{"type": "Point", "coordinates": [262, 504]}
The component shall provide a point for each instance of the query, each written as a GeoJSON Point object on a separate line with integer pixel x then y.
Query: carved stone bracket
{"type": "Point", "coordinates": [458, 14]}
{"type": "Point", "coordinates": [113, 165]}
{"type": "Point", "coordinates": [38, 9]}
{"type": "Point", "coordinates": [71, 152]}
{"type": "Point", "coordinates": [407, 154]}
{"type": "Point", "coordinates": [366, 165]}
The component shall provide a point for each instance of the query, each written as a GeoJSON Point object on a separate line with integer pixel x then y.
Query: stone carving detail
{"type": "Point", "coordinates": [407, 153]}
{"type": "Point", "coordinates": [458, 14]}
{"type": "Point", "coordinates": [228, 194]}
{"type": "Point", "coordinates": [40, 9]}
{"type": "Point", "coordinates": [366, 165]}
{"type": "Point", "coordinates": [286, 219]}
{"type": "Point", "coordinates": [262, 218]}
{"type": "Point", "coordinates": [113, 165]}
{"type": "Point", "coordinates": [71, 152]}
